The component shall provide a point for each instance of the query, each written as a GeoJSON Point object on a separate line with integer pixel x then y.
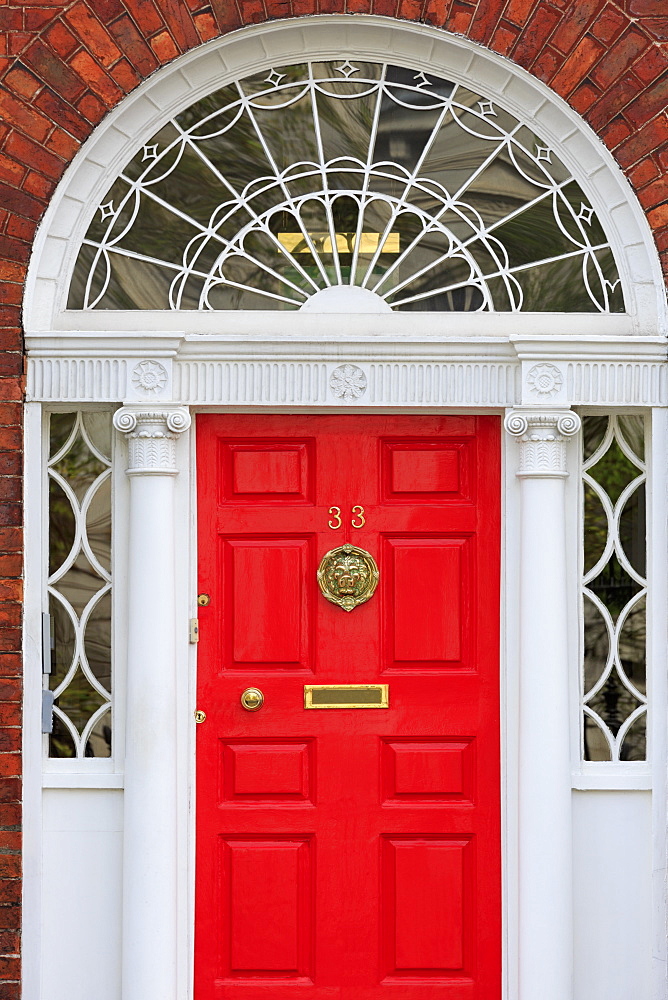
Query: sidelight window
{"type": "Point", "coordinates": [77, 640]}
{"type": "Point", "coordinates": [614, 589]}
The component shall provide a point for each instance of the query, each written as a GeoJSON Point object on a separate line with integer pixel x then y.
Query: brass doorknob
{"type": "Point", "coordinates": [252, 699]}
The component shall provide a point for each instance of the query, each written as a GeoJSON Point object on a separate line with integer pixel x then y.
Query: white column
{"type": "Point", "coordinates": [545, 828]}
{"type": "Point", "coordinates": [150, 838]}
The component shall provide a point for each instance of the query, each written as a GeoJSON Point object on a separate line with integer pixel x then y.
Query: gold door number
{"type": "Point", "coordinates": [357, 520]}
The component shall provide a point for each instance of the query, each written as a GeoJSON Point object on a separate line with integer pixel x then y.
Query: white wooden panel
{"type": "Point", "coordinates": [81, 923]}
{"type": "Point", "coordinates": [613, 895]}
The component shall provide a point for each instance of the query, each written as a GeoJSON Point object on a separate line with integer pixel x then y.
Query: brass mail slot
{"type": "Point", "coordinates": [346, 696]}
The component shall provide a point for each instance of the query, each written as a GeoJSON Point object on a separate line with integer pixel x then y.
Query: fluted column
{"type": "Point", "coordinates": [150, 807]}
{"type": "Point", "coordinates": [545, 827]}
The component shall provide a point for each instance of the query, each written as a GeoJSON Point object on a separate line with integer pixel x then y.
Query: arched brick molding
{"type": "Point", "coordinates": [64, 65]}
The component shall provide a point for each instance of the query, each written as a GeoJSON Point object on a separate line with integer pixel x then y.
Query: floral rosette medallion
{"type": "Point", "coordinates": [348, 576]}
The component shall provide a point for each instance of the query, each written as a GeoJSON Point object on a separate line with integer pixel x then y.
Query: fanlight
{"type": "Point", "coordinates": [281, 185]}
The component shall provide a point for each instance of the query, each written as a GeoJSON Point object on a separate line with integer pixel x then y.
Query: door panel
{"type": "Point", "coordinates": [348, 853]}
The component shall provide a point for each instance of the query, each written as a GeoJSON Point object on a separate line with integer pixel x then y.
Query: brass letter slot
{"type": "Point", "coordinates": [346, 695]}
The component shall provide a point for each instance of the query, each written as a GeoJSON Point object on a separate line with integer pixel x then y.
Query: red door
{"type": "Point", "coordinates": [348, 853]}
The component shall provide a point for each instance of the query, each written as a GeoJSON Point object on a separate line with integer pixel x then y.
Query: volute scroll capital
{"type": "Point", "coordinates": [152, 436]}
{"type": "Point", "coordinates": [542, 435]}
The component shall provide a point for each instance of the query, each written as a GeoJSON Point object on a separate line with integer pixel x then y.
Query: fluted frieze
{"type": "Point", "coordinates": [542, 437]}
{"type": "Point", "coordinates": [152, 436]}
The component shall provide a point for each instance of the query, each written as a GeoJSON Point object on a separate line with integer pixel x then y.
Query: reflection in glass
{"type": "Point", "coordinates": [406, 184]}
{"type": "Point", "coordinates": [614, 601]}
{"type": "Point", "coordinates": [79, 583]}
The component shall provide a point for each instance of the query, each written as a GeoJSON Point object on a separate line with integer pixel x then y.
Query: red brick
{"type": "Point", "coordinates": [107, 10]}
{"type": "Point", "coordinates": [486, 19]}
{"type": "Point", "coordinates": [458, 20]}
{"type": "Point", "coordinates": [27, 119]}
{"type": "Point", "coordinates": [503, 39]}
{"type": "Point", "coordinates": [10, 991]}
{"type": "Point", "coordinates": [50, 68]}
{"type": "Point", "coordinates": [519, 11]}
{"type": "Point", "coordinates": [62, 114]}
{"type": "Point", "coordinates": [608, 25]}
{"type": "Point", "coordinates": [10, 316]}
{"type": "Point", "coordinates": [62, 144]}
{"type": "Point", "coordinates": [575, 22]}
{"type": "Point", "coordinates": [10, 790]}
{"type": "Point", "coordinates": [37, 18]}
{"type": "Point", "coordinates": [11, 19]}
{"type": "Point", "coordinates": [61, 40]}
{"type": "Point", "coordinates": [10, 916]}
{"type": "Point", "coordinates": [17, 41]}
{"type": "Point", "coordinates": [613, 101]}
{"type": "Point", "coordinates": [164, 47]}
{"type": "Point", "coordinates": [133, 45]}
{"type": "Point", "coordinates": [90, 32]}
{"type": "Point", "coordinates": [9, 942]}
{"type": "Point", "coordinates": [534, 36]}
{"type": "Point", "coordinates": [99, 82]}
{"type": "Point", "coordinates": [615, 132]}
{"type": "Point", "coordinates": [206, 26]}
{"type": "Point", "coordinates": [20, 203]}
{"type": "Point", "coordinates": [643, 173]}
{"type": "Point", "coordinates": [22, 82]}
{"type": "Point", "coordinates": [180, 23]}
{"type": "Point", "coordinates": [124, 75]}
{"type": "Point", "coordinates": [12, 539]}
{"type": "Point", "coordinates": [228, 17]}
{"type": "Point", "coordinates": [10, 968]}
{"type": "Point", "coordinates": [146, 16]}
{"type": "Point", "coordinates": [654, 101]}
{"type": "Point", "coordinates": [577, 66]}
{"type": "Point", "coordinates": [651, 65]}
{"type": "Point", "coordinates": [547, 64]}
{"type": "Point", "coordinates": [31, 153]}
{"type": "Point", "coordinates": [655, 193]}
{"type": "Point", "coordinates": [11, 171]}
{"type": "Point", "coordinates": [10, 767]}
{"type": "Point", "coordinates": [622, 55]}
{"type": "Point", "coordinates": [91, 109]}
{"type": "Point", "coordinates": [38, 185]}
{"type": "Point", "coordinates": [658, 217]}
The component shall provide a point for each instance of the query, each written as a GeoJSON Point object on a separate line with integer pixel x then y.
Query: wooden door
{"type": "Point", "coordinates": [348, 853]}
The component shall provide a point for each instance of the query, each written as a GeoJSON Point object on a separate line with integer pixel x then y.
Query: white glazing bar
{"type": "Point", "coordinates": [150, 841]}
{"type": "Point", "coordinates": [545, 839]}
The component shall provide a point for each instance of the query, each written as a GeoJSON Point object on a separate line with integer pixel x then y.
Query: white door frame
{"type": "Point", "coordinates": [423, 363]}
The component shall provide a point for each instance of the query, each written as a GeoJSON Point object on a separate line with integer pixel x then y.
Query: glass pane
{"type": "Point", "coordinates": [596, 746]}
{"type": "Point", "coordinates": [614, 472]}
{"type": "Point", "coordinates": [634, 746]}
{"type": "Point", "coordinates": [477, 211]}
{"type": "Point", "coordinates": [593, 432]}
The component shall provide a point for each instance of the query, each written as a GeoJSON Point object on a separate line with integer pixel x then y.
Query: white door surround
{"type": "Point", "coordinates": [529, 368]}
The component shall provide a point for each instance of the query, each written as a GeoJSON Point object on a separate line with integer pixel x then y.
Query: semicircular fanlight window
{"type": "Point", "coordinates": [282, 185]}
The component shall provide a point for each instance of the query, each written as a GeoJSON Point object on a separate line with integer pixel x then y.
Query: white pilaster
{"type": "Point", "coordinates": [545, 831]}
{"type": "Point", "coordinates": [150, 848]}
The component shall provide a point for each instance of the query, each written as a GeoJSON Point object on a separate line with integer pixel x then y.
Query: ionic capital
{"type": "Point", "coordinates": [152, 436]}
{"type": "Point", "coordinates": [542, 436]}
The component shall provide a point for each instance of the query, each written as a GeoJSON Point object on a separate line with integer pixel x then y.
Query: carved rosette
{"type": "Point", "coordinates": [542, 438]}
{"type": "Point", "coordinates": [152, 438]}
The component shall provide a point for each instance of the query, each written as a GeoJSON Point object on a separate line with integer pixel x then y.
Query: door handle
{"type": "Point", "coordinates": [252, 699]}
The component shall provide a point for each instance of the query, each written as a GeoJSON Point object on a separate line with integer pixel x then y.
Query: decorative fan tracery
{"type": "Point", "coordinates": [282, 185]}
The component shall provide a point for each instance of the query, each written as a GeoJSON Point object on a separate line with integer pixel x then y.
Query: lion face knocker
{"type": "Point", "coordinates": [348, 576]}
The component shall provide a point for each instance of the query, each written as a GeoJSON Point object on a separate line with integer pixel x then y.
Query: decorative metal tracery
{"type": "Point", "coordinates": [614, 590]}
{"type": "Point", "coordinates": [282, 185]}
{"type": "Point", "coordinates": [79, 583]}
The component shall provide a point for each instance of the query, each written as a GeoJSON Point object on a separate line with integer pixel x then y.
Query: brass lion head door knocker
{"type": "Point", "coordinates": [348, 576]}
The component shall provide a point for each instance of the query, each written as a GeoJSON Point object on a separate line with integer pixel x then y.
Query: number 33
{"type": "Point", "coordinates": [357, 520]}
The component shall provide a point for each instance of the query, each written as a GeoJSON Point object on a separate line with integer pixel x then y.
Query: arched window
{"type": "Point", "coordinates": [279, 188]}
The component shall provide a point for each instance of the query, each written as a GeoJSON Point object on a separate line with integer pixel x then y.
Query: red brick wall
{"type": "Point", "coordinates": [64, 64]}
